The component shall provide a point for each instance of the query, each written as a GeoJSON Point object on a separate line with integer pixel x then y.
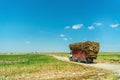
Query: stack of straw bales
{"type": "Point", "coordinates": [89, 47]}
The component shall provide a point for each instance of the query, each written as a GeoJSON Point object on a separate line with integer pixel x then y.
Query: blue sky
{"type": "Point", "coordinates": [51, 25]}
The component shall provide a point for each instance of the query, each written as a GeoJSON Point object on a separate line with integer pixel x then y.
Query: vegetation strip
{"type": "Point", "coordinates": [37, 65]}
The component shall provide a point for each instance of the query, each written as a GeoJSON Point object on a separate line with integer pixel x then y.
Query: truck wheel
{"type": "Point", "coordinates": [70, 58]}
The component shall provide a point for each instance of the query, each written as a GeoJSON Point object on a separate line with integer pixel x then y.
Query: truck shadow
{"type": "Point", "coordinates": [91, 63]}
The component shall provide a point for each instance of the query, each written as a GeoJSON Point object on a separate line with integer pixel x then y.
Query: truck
{"type": "Point", "coordinates": [84, 51]}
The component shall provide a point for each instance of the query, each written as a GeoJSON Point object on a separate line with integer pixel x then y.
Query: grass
{"type": "Point", "coordinates": [44, 67]}
{"type": "Point", "coordinates": [111, 57]}
{"type": "Point", "coordinates": [11, 65]}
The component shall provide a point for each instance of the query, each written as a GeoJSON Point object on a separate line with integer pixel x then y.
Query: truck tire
{"type": "Point", "coordinates": [70, 58]}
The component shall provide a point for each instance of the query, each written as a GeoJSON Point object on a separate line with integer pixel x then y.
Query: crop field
{"type": "Point", "coordinates": [111, 57]}
{"type": "Point", "coordinates": [44, 67]}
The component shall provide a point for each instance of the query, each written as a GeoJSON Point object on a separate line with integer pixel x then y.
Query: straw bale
{"type": "Point", "coordinates": [88, 46]}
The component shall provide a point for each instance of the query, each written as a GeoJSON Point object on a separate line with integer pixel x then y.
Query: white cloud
{"type": "Point", "coordinates": [98, 24]}
{"type": "Point", "coordinates": [115, 25]}
{"type": "Point", "coordinates": [65, 39]}
{"type": "Point", "coordinates": [67, 27]}
{"type": "Point", "coordinates": [90, 27]}
{"type": "Point", "coordinates": [77, 26]}
{"type": "Point", "coordinates": [62, 35]}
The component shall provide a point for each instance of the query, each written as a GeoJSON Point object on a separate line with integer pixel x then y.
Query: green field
{"type": "Point", "coordinates": [44, 67]}
{"type": "Point", "coordinates": [111, 57]}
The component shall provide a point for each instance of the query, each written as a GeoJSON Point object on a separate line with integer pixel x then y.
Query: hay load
{"type": "Point", "coordinates": [89, 47]}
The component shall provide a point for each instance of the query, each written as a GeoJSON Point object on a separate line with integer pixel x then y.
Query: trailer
{"type": "Point", "coordinates": [84, 51]}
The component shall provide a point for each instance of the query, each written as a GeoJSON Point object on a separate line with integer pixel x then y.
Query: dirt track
{"type": "Point", "coordinates": [112, 67]}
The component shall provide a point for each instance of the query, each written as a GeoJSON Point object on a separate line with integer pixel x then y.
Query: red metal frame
{"type": "Point", "coordinates": [79, 54]}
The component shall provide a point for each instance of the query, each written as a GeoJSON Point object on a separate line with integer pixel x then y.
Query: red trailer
{"type": "Point", "coordinates": [79, 54]}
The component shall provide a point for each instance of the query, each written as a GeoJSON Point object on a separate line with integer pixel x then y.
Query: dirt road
{"type": "Point", "coordinates": [112, 67]}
